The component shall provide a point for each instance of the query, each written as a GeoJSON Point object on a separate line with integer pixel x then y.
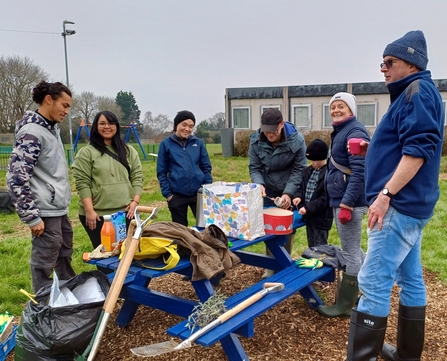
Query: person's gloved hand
{"type": "Point", "coordinates": [308, 263]}
{"type": "Point", "coordinates": [345, 215]}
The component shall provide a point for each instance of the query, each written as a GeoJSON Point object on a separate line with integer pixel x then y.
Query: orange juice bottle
{"type": "Point", "coordinates": [107, 234]}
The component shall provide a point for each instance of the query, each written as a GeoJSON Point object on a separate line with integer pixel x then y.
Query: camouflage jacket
{"type": "Point", "coordinates": [37, 175]}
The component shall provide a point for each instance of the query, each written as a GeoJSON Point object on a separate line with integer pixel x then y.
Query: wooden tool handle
{"type": "Point", "coordinates": [271, 284]}
{"type": "Point", "coordinates": [120, 276]}
{"type": "Point", "coordinates": [241, 306]}
{"type": "Point", "coordinates": [130, 231]}
{"type": "Point", "coordinates": [145, 209]}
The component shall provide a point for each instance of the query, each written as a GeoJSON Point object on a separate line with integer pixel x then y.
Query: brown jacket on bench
{"type": "Point", "coordinates": [208, 250]}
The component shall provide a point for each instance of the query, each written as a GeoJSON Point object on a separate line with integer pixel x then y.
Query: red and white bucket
{"type": "Point", "coordinates": [278, 221]}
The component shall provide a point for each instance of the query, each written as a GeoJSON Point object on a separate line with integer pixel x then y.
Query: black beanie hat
{"type": "Point", "coordinates": [317, 150]}
{"type": "Point", "coordinates": [183, 115]}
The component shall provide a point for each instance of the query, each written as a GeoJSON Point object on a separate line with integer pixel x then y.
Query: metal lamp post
{"type": "Point", "coordinates": [64, 34]}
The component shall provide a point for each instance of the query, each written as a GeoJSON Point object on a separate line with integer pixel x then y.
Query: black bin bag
{"type": "Point", "coordinates": [57, 333]}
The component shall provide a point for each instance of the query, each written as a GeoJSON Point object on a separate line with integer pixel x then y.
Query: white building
{"type": "Point", "coordinates": [307, 106]}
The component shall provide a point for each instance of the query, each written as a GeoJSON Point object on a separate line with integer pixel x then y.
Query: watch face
{"type": "Point", "coordinates": [386, 192]}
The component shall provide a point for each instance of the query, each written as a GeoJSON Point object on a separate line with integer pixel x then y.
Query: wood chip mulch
{"type": "Point", "coordinates": [289, 331]}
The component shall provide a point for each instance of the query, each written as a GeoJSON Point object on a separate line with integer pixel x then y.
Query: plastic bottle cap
{"type": "Point", "coordinates": [107, 217]}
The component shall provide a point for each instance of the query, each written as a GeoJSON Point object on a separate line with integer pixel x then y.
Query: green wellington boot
{"type": "Point", "coordinates": [410, 335]}
{"type": "Point", "coordinates": [346, 299]}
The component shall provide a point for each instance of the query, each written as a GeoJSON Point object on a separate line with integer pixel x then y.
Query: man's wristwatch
{"type": "Point", "coordinates": [386, 192]}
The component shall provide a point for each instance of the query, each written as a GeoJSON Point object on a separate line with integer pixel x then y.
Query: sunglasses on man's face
{"type": "Point", "coordinates": [389, 63]}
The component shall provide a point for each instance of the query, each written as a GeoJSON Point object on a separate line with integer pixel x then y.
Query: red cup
{"type": "Point", "coordinates": [354, 145]}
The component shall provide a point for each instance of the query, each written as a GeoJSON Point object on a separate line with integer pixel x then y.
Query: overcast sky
{"type": "Point", "coordinates": [183, 54]}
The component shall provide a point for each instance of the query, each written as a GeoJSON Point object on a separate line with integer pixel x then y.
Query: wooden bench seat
{"type": "Point", "coordinates": [294, 279]}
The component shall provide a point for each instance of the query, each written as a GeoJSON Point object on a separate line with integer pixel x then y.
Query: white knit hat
{"type": "Point", "coordinates": [348, 98]}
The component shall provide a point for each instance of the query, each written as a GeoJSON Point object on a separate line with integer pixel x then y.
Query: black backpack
{"type": "Point", "coordinates": [6, 204]}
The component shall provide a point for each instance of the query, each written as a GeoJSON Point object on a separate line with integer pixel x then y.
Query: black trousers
{"type": "Point", "coordinates": [315, 235]}
{"type": "Point", "coordinates": [178, 206]}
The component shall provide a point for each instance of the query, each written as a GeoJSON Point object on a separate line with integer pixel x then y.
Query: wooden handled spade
{"type": "Point", "coordinates": [118, 281]}
{"type": "Point", "coordinates": [170, 346]}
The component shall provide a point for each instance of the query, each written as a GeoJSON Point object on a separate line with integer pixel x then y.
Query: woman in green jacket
{"type": "Point", "coordinates": [108, 176]}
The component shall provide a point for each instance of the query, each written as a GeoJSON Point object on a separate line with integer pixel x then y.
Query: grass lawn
{"type": "Point", "coordinates": [15, 237]}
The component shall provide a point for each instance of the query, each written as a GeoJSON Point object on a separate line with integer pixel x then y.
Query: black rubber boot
{"type": "Point", "coordinates": [346, 299]}
{"type": "Point", "coordinates": [410, 335]}
{"type": "Point", "coordinates": [366, 335]}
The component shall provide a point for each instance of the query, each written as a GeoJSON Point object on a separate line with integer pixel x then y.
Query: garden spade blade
{"type": "Point", "coordinates": [170, 346]}
{"type": "Point", "coordinates": [155, 349]}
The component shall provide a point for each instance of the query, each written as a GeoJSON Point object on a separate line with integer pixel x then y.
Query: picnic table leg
{"type": "Point", "coordinates": [203, 288]}
{"type": "Point", "coordinates": [129, 308]}
{"type": "Point", "coordinates": [276, 246]}
{"type": "Point", "coordinates": [233, 348]}
{"type": "Point", "coordinates": [311, 297]}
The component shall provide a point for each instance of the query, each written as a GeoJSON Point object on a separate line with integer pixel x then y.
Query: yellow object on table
{"type": "Point", "coordinates": [309, 263]}
{"type": "Point", "coordinates": [5, 326]}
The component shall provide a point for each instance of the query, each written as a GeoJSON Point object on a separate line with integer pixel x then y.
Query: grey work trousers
{"type": "Point", "coordinates": [350, 235]}
{"type": "Point", "coordinates": [52, 250]}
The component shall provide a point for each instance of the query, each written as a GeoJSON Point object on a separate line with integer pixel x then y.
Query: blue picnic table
{"type": "Point", "coordinates": [136, 291]}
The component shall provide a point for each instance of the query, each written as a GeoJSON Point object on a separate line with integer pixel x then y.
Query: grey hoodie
{"type": "Point", "coordinates": [37, 175]}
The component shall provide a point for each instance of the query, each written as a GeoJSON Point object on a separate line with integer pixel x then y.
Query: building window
{"type": "Point", "coordinates": [327, 120]}
{"type": "Point", "coordinates": [265, 107]}
{"type": "Point", "coordinates": [241, 117]}
{"type": "Point", "coordinates": [301, 115]}
{"type": "Point", "coordinates": [367, 114]}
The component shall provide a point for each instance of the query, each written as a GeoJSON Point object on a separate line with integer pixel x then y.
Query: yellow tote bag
{"type": "Point", "coordinates": [154, 247]}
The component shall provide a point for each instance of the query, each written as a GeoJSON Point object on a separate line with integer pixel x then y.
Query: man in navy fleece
{"type": "Point", "coordinates": [401, 181]}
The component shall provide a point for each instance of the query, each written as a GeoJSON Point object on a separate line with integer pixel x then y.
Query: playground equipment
{"type": "Point", "coordinates": [130, 128]}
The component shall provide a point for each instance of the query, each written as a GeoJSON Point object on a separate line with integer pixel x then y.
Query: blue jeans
{"type": "Point", "coordinates": [394, 254]}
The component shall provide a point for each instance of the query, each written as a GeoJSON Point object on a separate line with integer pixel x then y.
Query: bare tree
{"type": "Point", "coordinates": [217, 121]}
{"type": "Point", "coordinates": [87, 105]}
{"type": "Point", "coordinates": [108, 103]}
{"type": "Point", "coordinates": [153, 126]}
{"type": "Point", "coordinates": [212, 124]}
{"type": "Point", "coordinates": [18, 77]}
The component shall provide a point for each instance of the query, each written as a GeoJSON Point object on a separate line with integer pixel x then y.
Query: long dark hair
{"type": "Point", "coordinates": [54, 90]}
{"type": "Point", "coordinates": [118, 145]}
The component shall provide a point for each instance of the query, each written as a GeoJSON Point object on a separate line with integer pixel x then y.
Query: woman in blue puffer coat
{"type": "Point", "coordinates": [345, 186]}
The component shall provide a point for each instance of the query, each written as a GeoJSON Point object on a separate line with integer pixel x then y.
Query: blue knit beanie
{"type": "Point", "coordinates": [411, 48]}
